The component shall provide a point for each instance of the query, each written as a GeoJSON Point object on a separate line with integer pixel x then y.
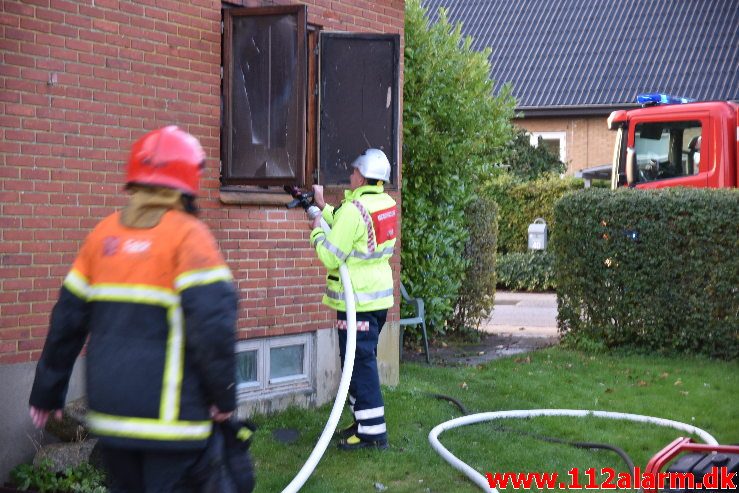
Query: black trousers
{"type": "Point", "coordinates": [365, 396]}
{"type": "Point", "coordinates": [147, 471]}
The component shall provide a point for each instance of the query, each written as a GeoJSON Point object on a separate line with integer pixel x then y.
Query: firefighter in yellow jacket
{"type": "Point", "coordinates": [153, 293]}
{"type": "Point", "coordinates": [363, 234]}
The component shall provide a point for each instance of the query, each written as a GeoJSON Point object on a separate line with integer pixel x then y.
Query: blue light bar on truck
{"type": "Point", "coordinates": [659, 98]}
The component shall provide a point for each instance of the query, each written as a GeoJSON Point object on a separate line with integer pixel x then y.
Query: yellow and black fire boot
{"type": "Point", "coordinates": [356, 443]}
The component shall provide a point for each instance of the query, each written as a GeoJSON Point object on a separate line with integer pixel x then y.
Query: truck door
{"type": "Point", "coordinates": [670, 151]}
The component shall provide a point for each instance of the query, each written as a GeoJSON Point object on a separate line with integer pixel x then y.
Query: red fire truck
{"type": "Point", "coordinates": [672, 142]}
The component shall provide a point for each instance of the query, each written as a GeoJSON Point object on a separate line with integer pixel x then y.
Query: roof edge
{"type": "Point", "coordinates": [575, 110]}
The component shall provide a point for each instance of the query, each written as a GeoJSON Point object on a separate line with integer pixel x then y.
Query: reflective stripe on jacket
{"type": "Point", "coordinates": [363, 234]}
{"type": "Point", "coordinates": [160, 310]}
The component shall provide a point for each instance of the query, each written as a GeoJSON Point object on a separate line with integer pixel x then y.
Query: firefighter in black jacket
{"type": "Point", "coordinates": [153, 293]}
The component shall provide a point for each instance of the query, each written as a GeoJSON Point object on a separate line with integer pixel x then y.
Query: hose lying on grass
{"type": "Point", "coordinates": [482, 482]}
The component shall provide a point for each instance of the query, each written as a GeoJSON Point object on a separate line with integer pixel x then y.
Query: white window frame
{"type": "Point", "coordinates": [265, 385]}
{"type": "Point", "coordinates": [561, 136]}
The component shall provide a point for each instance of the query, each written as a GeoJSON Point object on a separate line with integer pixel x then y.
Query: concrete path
{"type": "Point", "coordinates": [520, 323]}
{"type": "Point", "coordinates": [523, 314]}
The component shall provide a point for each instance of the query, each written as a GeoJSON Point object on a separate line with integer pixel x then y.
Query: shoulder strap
{"type": "Point", "coordinates": [371, 242]}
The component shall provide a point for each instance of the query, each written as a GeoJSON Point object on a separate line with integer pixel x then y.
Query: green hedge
{"type": "Point", "coordinates": [520, 202]}
{"type": "Point", "coordinates": [653, 271]}
{"type": "Point", "coordinates": [477, 293]}
{"type": "Point", "coordinates": [530, 271]}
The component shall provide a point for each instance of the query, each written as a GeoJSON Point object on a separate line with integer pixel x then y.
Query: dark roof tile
{"type": "Point", "coordinates": [604, 52]}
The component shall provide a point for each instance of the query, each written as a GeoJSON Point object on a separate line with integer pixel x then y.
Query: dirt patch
{"type": "Point", "coordinates": [455, 351]}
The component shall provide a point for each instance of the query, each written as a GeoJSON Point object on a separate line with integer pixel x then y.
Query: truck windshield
{"type": "Point", "coordinates": [666, 150]}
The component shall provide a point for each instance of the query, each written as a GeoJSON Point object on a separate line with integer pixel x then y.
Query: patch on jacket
{"type": "Point", "coordinates": [385, 223]}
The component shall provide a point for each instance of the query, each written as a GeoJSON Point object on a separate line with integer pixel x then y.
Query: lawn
{"type": "Point", "coordinates": [690, 390]}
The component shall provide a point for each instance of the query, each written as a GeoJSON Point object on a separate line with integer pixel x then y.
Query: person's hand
{"type": "Point", "coordinates": [218, 416]}
{"type": "Point", "coordinates": [318, 196]}
{"type": "Point", "coordinates": [41, 416]}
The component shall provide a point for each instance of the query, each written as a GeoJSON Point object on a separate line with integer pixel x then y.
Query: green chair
{"type": "Point", "coordinates": [417, 319]}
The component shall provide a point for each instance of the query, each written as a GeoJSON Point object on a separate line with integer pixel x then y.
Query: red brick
{"type": "Point", "coordinates": [16, 309]}
{"type": "Point", "coordinates": [50, 15]}
{"type": "Point", "coordinates": [29, 296]}
{"type": "Point", "coordinates": [10, 359]}
{"type": "Point", "coordinates": [8, 347]}
{"type": "Point", "coordinates": [66, 6]}
{"type": "Point", "coordinates": [14, 334]}
{"type": "Point", "coordinates": [31, 344]}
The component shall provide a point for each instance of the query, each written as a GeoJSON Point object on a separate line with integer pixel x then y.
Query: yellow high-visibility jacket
{"type": "Point", "coordinates": [364, 229]}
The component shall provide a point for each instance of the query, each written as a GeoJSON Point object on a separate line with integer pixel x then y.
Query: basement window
{"type": "Point", "coordinates": [274, 365]}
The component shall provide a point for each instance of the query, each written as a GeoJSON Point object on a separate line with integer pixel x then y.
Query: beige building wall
{"type": "Point", "coordinates": [588, 142]}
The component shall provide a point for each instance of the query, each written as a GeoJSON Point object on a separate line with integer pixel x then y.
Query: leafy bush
{"type": "Point", "coordinates": [521, 202]}
{"type": "Point", "coordinates": [527, 162]}
{"type": "Point", "coordinates": [477, 293]}
{"type": "Point", "coordinates": [453, 129]}
{"type": "Point", "coordinates": [649, 270]}
{"type": "Point", "coordinates": [530, 271]}
{"type": "Point", "coordinates": [83, 478]}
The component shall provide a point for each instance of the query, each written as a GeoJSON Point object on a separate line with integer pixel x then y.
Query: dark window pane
{"type": "Point", "coordinates": [551, 145]}
{"type": "Point", "coordinates": [359, 101]}
{"type": "Point", "coordinates": [286, 361]}
{"type": "Point", "coordinates": [265, 99]}
{"type": "Point", "coordinates": [667, 150]}
{"type": "Point", "coordinates": [246, 367]}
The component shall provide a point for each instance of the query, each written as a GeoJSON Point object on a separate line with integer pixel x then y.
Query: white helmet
{"type": "Point", "coordinates": [373, 164]}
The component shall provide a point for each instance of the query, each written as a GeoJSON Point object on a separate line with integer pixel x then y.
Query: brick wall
{"type": "Point", "coordinates": [589, 142]}
{"type": "Point", "coordinates": [80, 81]}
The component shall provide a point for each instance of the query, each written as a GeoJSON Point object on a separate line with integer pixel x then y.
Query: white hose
{"type": "Point", "coordinates": [346, 376]}
{"type": "Point", "coordinates": [482, 482]}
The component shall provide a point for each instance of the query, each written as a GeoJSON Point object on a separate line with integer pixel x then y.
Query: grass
{"type": "Point", "coordinates": [697, 391]}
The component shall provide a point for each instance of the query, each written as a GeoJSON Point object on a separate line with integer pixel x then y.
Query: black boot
{"type": "Point", "coordinates": [356, 443]}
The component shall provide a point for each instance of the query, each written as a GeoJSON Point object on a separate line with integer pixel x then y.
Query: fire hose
{"type": "Point", "coordinates": [306, 201]}
{"type": "Point", "coordinates": [482, 482]}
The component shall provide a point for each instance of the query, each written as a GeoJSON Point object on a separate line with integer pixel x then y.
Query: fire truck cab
{"type": "Point", "coordinates": [672, 142]}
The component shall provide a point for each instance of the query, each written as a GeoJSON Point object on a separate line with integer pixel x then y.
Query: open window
{"type": "Point", "coordinates": [358, 101]}
{"type": "Point", "coordinates": [270, 131]}
{"type": "Point", "coordinates": [264, 96]}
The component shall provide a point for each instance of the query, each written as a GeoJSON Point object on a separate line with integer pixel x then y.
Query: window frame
{"type": "Point", "coordinates": [231, 183]}
{"type": "Point", "coordinates": [551, 135]}
{"type": "Point", "coordinates": [394, 154]}
{"type": "Point", "coordinates": [265, 385]}
{"type": "Point", "coordinates": [269, 191]}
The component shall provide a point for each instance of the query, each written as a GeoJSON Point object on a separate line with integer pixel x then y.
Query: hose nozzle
{"type": "Point", "coordinates": [303, 199]}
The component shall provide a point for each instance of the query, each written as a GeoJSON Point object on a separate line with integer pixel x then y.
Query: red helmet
{"type": "Point", "coordinates": [166, 157]}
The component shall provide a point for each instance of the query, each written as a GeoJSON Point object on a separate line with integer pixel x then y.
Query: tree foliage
{"type": "Point", "coordinates": [454, 130]}
{"type": "Point", "coordinates": [527, 162]}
